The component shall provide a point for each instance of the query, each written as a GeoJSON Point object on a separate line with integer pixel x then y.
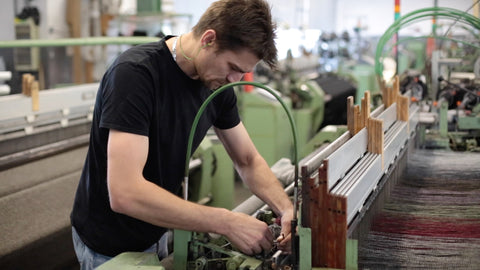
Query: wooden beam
{"type": "Point", "coordinates": [356, 119]}
{"type": "Point", "coordinates": [376, 139]}
{"type": "Point", "coordinates": [306, 190]}
{"type": "Point", "coordinates": [35, 96]}
{"type": "Point", "coordinates": [396, 84]}
{"type": "Point", "coordinates": [350, 116]}
{"type": "Point", "coordinates": [402, 108]}
{"type": "Point", "coordinates": [27, 80]}
{"type": "Point", "coordinates": [328, 219]}
{"type": "Point", "coordinates": [337, 242]}
{"type": "Point", "coordinates": [322, 195]}
{"type": "Point", "coordinates": [365, 108]}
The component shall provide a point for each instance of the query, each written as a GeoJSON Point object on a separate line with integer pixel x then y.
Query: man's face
{"type": "Point", "coordinates": [219, 68]}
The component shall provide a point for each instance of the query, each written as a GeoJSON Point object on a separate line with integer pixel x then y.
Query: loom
{"type": "Point", "coordinates": [340, 185]}
{"type": "Point", "coordinates": [43, 143]}
{"type": "Point", "coordinates": [431, 219]}
{"type": "Point", "coordinates": [345, 184]}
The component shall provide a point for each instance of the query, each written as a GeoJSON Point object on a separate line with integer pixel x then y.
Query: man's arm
{"type": "Point", "coordinates": [258, 176]}
{"type": "Point", "coordinates": [131, 194]}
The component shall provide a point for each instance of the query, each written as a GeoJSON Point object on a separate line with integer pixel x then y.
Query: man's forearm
{"type": "Point", "coordinates": [151, 203]}
{"type": "Point", "coordinates": [263, 183]}
{"type": "Point", "coordinates": [159, 207]}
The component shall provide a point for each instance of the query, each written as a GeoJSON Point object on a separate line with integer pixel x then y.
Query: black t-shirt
{"type": "Point", "coordinates": [143, 92]}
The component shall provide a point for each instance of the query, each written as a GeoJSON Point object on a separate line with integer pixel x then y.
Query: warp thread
{"type": "Point", "coordinates": [432, 217]}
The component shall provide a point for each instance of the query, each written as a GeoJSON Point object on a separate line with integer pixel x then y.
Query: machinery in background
{"type": "Point", "coordinates": [212, 174]}
{"type": "Point", "coordinates": [36, 119]}
{"type": "Point", "coordinates": [450, 103]}
{"type": "Point", "coordinates": [453, 121]}
{"type": "Point", "coordinates": [415, 82]}
{"type": "Point", "coordinates": [333, 51]}
{"type": "Point", "coordinates": [448, 94]}
{"type": "Point", "coordinates": [4, 76]}
{"type": "Point", "coordinates": [43, 139]}
{"type": "Point", "coordinates": [316, 101]}
{"type": "Point", "coordinates": [469, 122]}
{"type": "Point", "coordinates": [337, 89]}
{"type": "Point", "coordinates": [26, 59]}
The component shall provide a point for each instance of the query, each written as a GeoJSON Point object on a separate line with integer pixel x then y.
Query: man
{"type": "Point", "coordinates": [144, 110]}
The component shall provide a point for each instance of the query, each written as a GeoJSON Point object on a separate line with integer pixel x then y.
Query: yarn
{"type": "Point", "coordinates": [431, 219]}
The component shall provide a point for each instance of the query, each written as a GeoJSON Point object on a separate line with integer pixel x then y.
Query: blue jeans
{"type": "Point", "coordinates": [90, 259]}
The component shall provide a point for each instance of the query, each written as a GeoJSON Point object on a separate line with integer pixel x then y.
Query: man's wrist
{"type": "Point", "coordinates": [286, 210]}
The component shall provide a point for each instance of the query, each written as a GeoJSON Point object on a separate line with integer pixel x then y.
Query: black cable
{"type": "Point", "coordinates": [466, 90]}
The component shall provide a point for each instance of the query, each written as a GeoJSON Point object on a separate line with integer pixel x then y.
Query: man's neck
{"type": "Point", "coordinates": [185, 49]}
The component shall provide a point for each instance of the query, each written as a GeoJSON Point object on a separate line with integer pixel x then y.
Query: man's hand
{"type": "Point", "coordinates": [248, 234]}
{"type": "Point", "coordinates": [257, 175]}
{"type": "Point", "coordinates": [285, 238]}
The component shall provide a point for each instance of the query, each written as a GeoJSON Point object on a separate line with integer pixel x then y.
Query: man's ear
{"type": "Point", "coordinates": [208, 38]}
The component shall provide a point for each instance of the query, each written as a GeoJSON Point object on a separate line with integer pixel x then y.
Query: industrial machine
{"type": "Point", "coordinates": [339, 183]}
{"type": "Point", "coordinates": [27, 59]}
{"type": "Point", "coordinates": [43, 139]}
{"type": "Point", "coordinates": [315, 99]}
{"type": "Point", "coordinates": [453, 122]}
{"type": "Point", "coordinates": [457, 121]}
{"type": "Point", "coordinates": [448, 90]}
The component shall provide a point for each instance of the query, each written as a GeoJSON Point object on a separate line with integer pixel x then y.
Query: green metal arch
{"type": "Point", "coordinates": [419, 15]}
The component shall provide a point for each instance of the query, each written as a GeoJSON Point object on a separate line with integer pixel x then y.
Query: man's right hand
{"type": "Point", "coordinates": [248, 234]}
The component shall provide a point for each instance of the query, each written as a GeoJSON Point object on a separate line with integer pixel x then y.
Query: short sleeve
{"type": "Point", "coordinates": [228, 115]}
{"type": "Point", "coordinates": [127, 99]}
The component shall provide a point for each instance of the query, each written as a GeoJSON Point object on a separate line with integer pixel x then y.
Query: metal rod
{"type": "Point", "coordinates": [76, 41]}
{"type": "Point", "coordinates": [43, 151]}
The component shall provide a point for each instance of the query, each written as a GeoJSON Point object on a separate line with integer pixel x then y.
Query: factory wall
{"type": "Point", "coordinates": [6, 19]}
{"type": "Point", "coordinates": [327, 15]}
{"type": "Point", "coordinates": [336, 15]}
{"type": "Point", "coordinates": [374, 17]}
{"type": "Point", "coordinates": [287, 13]}
{"type": "Point", "coordinates": [292, 17]}
{"type": "Point", "coordinates": [7, 33]}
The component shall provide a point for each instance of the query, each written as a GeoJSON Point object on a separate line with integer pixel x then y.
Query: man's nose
{"type": "Point", "coordinates": [234, 77]}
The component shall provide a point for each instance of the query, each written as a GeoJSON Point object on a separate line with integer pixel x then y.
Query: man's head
{"type": "Point", "coordinates": [240, 25]}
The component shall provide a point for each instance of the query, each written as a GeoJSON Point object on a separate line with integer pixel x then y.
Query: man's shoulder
{"type": "Point", "coordinates": [141, 52]}
{"type": "Point", "coordinates": [149, 57]}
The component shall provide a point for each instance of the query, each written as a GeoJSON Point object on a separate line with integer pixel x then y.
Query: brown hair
{"type": "Point", "coordinates": [241, 24]}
